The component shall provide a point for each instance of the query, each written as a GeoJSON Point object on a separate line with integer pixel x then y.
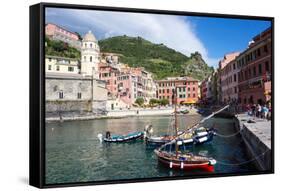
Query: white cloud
{"type": "Point", "coordinates": [174, 31]}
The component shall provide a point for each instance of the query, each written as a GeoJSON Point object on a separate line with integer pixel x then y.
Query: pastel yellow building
{"type": "Point", "coordinates": [56, 64]}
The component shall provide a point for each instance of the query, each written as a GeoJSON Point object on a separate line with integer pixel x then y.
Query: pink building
{"type": "Point", "coordinates": [109, 74]}
{"type": "Point", "coordinates": [56, 32]}
{"type": "Point", "coordinates": [229, 78]}
{"type": "Point", "coordinates": [126, 86]}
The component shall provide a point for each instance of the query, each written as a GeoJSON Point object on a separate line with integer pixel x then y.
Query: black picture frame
{"type": "Point", "coordinates": [37, 92]}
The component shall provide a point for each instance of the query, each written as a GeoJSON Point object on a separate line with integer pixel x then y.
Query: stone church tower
{"type": "Point", "coordinates": [90, 52]}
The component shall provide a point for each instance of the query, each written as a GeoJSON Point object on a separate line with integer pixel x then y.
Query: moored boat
{"type": "Point", "coordinates": [186, 161]}
{"type": "Point", "coordinates": [194, 136]}
{"type": "Point", "coordinates": [120, 138]}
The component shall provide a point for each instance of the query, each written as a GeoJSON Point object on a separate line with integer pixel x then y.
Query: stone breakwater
{"type": "Point", "coordinates": [256, 134]}
{"type": "Point", "coordinates": [72, 116]}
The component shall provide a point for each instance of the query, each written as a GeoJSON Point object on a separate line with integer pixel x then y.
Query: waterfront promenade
{"type": "Point", "coordinates": [256, 133]}
{"type": "Point", "coordinates": [72, 116]}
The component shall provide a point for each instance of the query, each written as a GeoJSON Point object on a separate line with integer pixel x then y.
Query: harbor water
{"type": "Point", "coordinates": [75, 154]}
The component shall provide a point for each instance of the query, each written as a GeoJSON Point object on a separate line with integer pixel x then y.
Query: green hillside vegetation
{"type": "Point", "coordinates": [61, 49]}
{"type": "Point", "coordinates": [137, 52]}
{"type": "Point", "coordinates": [156, 58]}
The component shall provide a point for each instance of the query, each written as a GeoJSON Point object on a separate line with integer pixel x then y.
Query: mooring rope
{"type": "Point", "coordinates": [230, 135]}
{"type": "Point", "coordinates": [244, 162]}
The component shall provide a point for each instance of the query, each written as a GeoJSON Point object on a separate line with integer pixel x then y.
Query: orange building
{"type": "Point", "coordinates": [187, 89]}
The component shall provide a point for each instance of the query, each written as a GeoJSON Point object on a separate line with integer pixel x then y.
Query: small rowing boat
{"type": "Point", "coordinates": [120, 138]}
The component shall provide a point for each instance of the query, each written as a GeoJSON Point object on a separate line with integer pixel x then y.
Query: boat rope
{"type": "Point", "coordinates": [230, 135]}
{"type": "Point", "coordinates": [244, 162]}
{"type": "Point", "coordinates": [194, 126]}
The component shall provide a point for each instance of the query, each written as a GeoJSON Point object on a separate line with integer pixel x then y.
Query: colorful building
{"type": "Point", "coordinates": [255, 67]}
{"type": "Point", "coordinates": [207, 90]}
{"type": "Point", "coordinates": [58, 64]}
{"type": "Point", "coordinates": [56, 32]}
{"type": "Point", "coordinates": [187, 89]}
{"type": "Point", "coordinates": [109, 74]}
{"type": "Point", "coordinates": [229, 78]}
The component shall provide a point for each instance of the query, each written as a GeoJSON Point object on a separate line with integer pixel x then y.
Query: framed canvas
{"type": "Point", "coordinates": [122, 95]}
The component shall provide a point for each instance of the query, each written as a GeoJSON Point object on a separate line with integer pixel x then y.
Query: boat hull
{"type": "Point", "coordinates": [121, 139]}
{"type": "Point", "coordinates": [196, 140]}
{"type": "Point", "coordinates": [186, 166]}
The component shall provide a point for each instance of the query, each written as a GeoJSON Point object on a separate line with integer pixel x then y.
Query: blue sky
{"type": "Point", "coordinates": [221, 35]}
{"type": "Point", "coordinates": [212, 37]}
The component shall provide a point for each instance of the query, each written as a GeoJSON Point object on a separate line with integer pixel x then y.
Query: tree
{"type": "Point", "coordinates": [153, 102]}
{"type": "Point", "coordinates": [139, 101]}
{"type": "Point", "coordinates": [164, 102]}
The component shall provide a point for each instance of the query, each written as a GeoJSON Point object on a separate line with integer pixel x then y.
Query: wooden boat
{"type": "Point", "coordinates": [187, 161]}
{"type": "Point", "coordinates": [179, 160]}
{"type": "Point", "coordinates": [120, 138]}
{"type": "Point", "coordinates": [193, 137]}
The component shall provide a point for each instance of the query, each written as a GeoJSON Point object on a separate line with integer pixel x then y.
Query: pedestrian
{"type": "Point", "coordinates": [265, 112]}
{"type": "Point", "coordinates": [259, 110]}
{"type": "Point", "coordinates": [253, 110]}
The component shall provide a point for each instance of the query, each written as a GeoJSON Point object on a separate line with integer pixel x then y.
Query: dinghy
{"type": "Point", "coordinates": [120, 138]}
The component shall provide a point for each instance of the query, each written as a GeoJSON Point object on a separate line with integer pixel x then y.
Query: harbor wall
{"type": "Point", "coordinates": [84, 115]}
{"type": "Point", "coordinates": [257, 149]}
{"type": "Point", "coordinates": [141, 112]}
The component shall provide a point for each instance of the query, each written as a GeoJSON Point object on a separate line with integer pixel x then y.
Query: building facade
{"type": "Point", "coordinates": [229, 78]}
{"type": "Point", "coordinates": [124, 83]}
{"type": "Point", "coordinates": [56, 32]}
{"type": "Point", "coordinates": [207, 90]}
{"type": "Point", "coordinates": [74, 93]}
{"type": "Point", "coordinates": [255, 67]}
{"type": "Point", "coordinates": [56, 64]}
{"type": "Point", "coordinates": [187, 89]}
{"type": "Point", "coordinates": [73, 85]}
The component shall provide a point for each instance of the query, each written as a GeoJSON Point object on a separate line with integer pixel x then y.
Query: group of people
{"type": "Point", "coordinates": [257, 110]}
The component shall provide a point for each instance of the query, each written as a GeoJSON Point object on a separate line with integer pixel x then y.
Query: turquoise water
{"type": "Point", "coordinates": [74, 153]}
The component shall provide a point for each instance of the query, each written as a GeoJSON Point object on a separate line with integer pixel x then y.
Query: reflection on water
{"type": "Point", "coordinates": [74, 153]}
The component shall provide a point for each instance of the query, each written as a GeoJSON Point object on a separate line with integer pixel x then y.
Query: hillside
{"type": "Point", "coordinates": [156, 58]}
{"type": "Point", "coordinates": [61, 49]}
{"type": "Point", "coordinates": [138, 52]}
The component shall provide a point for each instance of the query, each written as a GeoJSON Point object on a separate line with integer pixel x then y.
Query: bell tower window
{"type": "Point", "coordinates": [91, 58]}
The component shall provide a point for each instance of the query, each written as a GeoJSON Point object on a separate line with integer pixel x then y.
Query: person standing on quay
{"type": "Point", "coordinates": [265, 112]}
{"type": "Point", "coordinates": [254, 110]}
{"type": "Point", "coordinates": [259, 110]}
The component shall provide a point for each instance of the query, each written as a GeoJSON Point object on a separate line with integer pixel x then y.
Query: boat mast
{"type": "Point", "coordinates": [176, 123]}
